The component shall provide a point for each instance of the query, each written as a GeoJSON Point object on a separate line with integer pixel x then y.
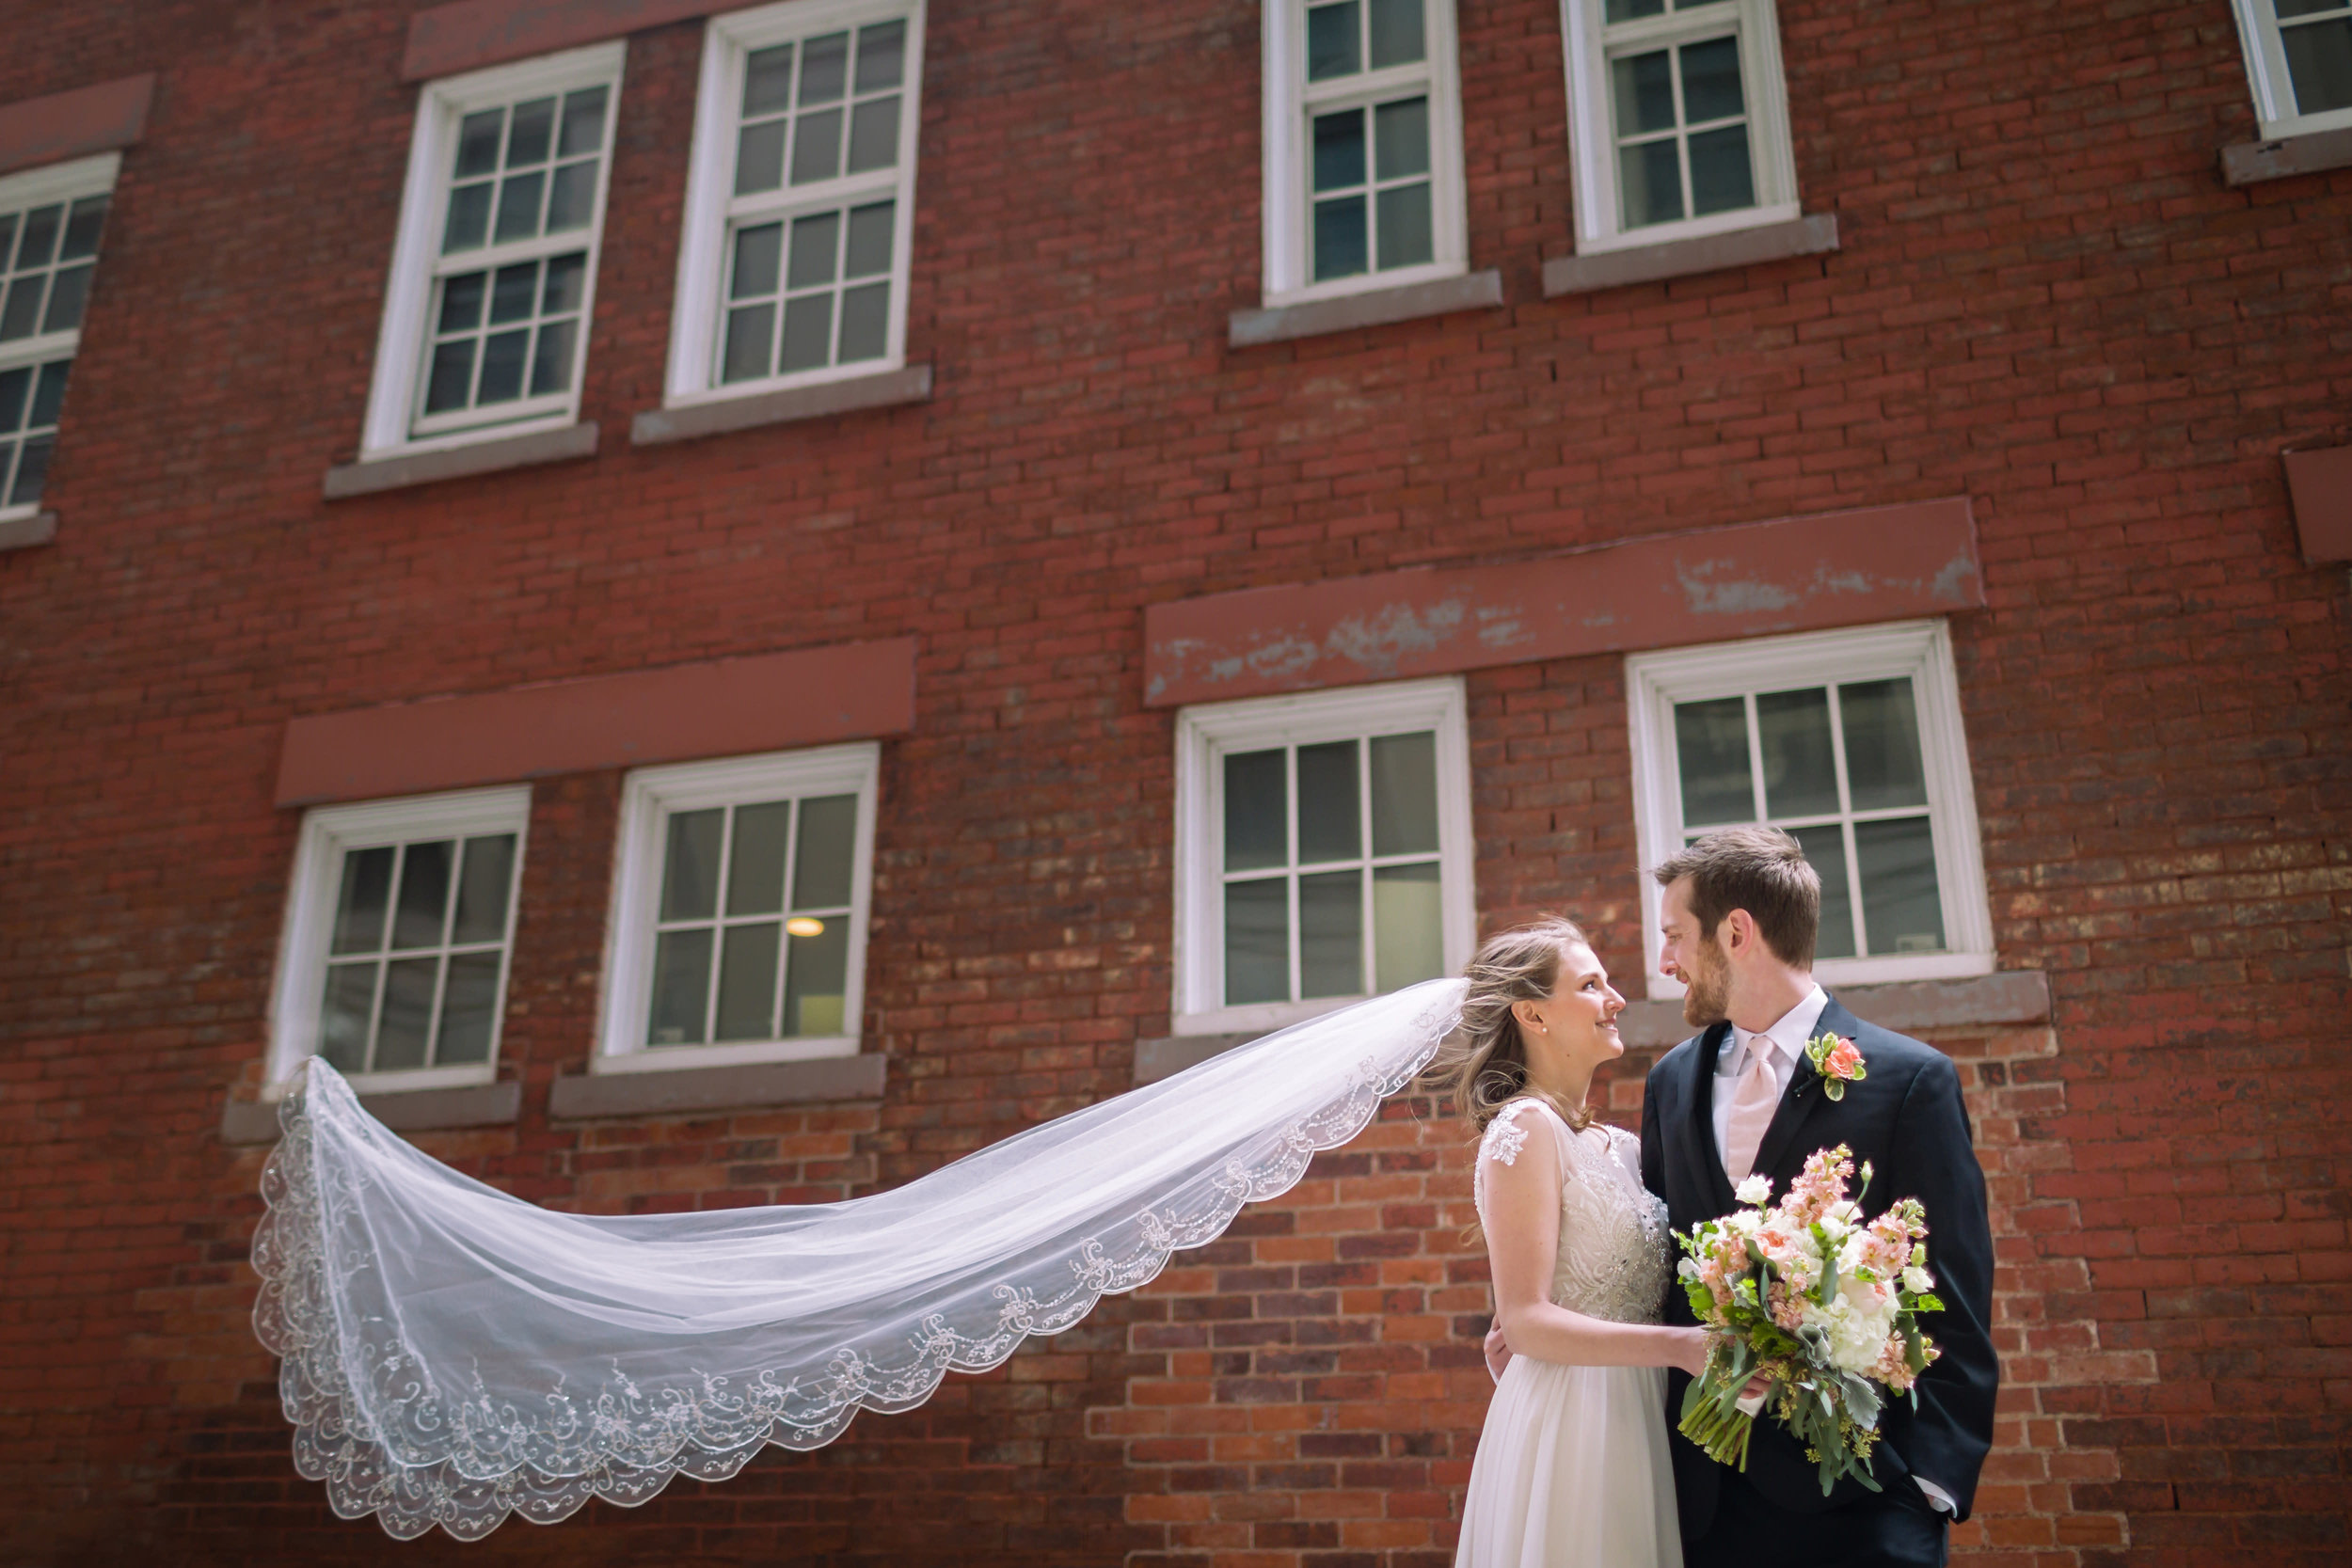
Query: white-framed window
{"type": "Point", "coordinates": [2298, 57]}
{"type": "Point", "coordinates": [51, 221]}
{"type": "Point", "coordinates": [1850, 740]}
{"type": "Point", "coordinates": [1323, 851]}
{"type": "Point", "coordinates": [1679, 120]}
{"type": "Point", "coordinates": [800, 204]}
{"type": "Point", "coordinates": [398, 929]}
{"type": "Point", "coordinates": [1362, 146]}
{"type": "Point", "coordinates": [494, 271]}
{"type": "Point", "coordinates": [739, 912]}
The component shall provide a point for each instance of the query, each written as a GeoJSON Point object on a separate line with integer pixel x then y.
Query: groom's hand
{"type": "Point", "coordinates": [1497, 1353]}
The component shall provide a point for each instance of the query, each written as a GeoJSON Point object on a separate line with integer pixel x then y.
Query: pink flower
{"type": "Point", "coordinates": [1839, 1061]}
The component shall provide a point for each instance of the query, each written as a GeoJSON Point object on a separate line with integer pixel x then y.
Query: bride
{"type": "Point", "coordinates": [1572, 1468]}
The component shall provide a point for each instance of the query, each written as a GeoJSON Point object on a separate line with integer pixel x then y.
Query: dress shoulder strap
{"type": "Point", "coordinates": [1507, 1134]}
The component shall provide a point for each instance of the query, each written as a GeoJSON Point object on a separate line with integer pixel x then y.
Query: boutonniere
{"type": "Point", "coordinates": [1839, 1061]}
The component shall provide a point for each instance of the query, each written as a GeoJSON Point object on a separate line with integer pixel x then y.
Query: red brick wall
{"type": "Point", "coordinates": [2046, 300]}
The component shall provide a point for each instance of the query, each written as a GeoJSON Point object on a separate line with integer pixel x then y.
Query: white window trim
{"type": "Point", "coordinates": [1285, 145]}
{"type": "Point", "coordinates": [647, 798]}
{"type": "Point", "coordinates": [1205, 735]}
{"type": "Point", "coordinates": [400, 344]}
{"type": "Point", "coordinates": [2266, 74]}
{"type": "Point", "coordinates": [327, 832]}
{"type": "Point", "coordinates": [1592, 143]}
{"type": "Point", "coordinates": [72, 182]}
{"type": "Point", "coordinates": [1921, 649]}
{"type": "Point", "coordinates": [694, 316]}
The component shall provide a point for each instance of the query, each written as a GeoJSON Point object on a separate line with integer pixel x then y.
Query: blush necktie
{"type": "Point", "coordinates": [1752, 1105]}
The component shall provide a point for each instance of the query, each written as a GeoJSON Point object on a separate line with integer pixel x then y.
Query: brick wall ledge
{"type": "Point", "coordinates": [720, 415]}
{"type": "Point", "coordinates": [2249, 163]}
{"type": "Point", "coordinates": [1810, 235]}
{"type": "Point", "coordinates": [579, 1097]}
{"type": "Point", "coordinates": [482, 457]}
{"type": "Point", "coordinates": [2010, 996]}
{"type": "Point", "coordinates": [255, 1122]}
{"type": "Point", "coordinates": [23, 533]}
{"type": "Point", "coordinates": [1478, 291]}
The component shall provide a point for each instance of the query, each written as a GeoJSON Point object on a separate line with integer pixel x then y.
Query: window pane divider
{"type": "Point", "coordinates": [828, 193]}
{"type": "Point", "coordinates": [1845, 827]}
{"type": "Point", "coordinates": [494, 256]}
{"type": "Point", "coordinates": [1289, 855]}
{"type": "Point", "coordinates": [46, 345]}
{"type": "Point", "coordinates": [512, 413]}
{"type": "Point", "coordinates": [1365, 85]}
{"type": "Point", "coordinates": [785, 912]}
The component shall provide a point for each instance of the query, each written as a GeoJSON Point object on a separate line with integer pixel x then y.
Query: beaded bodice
{"type": "Point", "coordinates": [1613, 1261]}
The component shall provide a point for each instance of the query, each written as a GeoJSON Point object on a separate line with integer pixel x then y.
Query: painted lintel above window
{"type": "Point", "coordinates": [1833, 569]}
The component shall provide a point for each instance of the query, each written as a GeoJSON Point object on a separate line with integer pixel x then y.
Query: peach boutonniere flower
{"type": "Point", "coordinates": [1839, 1061]}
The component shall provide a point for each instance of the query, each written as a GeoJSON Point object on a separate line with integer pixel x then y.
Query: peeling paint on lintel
{"type": "Point", "coordinates": [1795, 573]}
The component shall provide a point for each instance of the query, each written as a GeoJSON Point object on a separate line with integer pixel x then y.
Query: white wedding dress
{"type": "Point", "coordinates": [1572, 1469]}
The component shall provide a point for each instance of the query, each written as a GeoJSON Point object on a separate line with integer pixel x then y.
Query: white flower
{"type": "Point", "coordinates": [1917, 1281]}
{"type": "Point", "coordinates": [1755, 1189]}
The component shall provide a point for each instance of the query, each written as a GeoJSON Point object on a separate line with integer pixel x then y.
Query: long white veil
{"type": "Point", "coordinates": [450, 1354]}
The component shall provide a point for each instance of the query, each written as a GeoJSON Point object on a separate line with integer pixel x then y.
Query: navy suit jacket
{"type": "Point", "coordinates": [1908, 1119]}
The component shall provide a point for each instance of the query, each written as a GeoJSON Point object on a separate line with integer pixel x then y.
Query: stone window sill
{"type": "Point", "coordinates": [1478, 291]}
{"type": "Point", "coordinates": [2006, 997]}
{"type": "Point", "coordinates": [588, 1096]}
{"type": "Point", "coordinates": [24, 533]}
{"type": "Point", "coordinates": [570, 443]}
{"type": "Point", "coordinates": [255, 1122]}
{"type": "Point", "coordinates": [2313, 152]}
{"type": "Point", "coordinates": [1649, 263]}
{"type": "Point", "coordinates": [690, 421]}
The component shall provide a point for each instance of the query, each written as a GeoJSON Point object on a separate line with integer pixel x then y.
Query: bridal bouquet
{"type": "Point", "coordinates": [1804, 1294]}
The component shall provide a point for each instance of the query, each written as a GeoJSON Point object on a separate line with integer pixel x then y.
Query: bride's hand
{"type": "Point", "coordinates": [1497, 1353]}
{"type": "Point", "coordinates": [1691, 1353]}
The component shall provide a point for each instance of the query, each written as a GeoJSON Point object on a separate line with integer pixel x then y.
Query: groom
{"type": "Point", "coordinates": [1739, 913]}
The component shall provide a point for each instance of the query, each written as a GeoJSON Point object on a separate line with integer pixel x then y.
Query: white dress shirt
{"type": "Point", "coordinates": [1786, 1040]}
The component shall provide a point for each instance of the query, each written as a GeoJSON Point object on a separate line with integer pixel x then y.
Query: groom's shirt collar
{"type": "Point", "coordinates": [1787, 1035]}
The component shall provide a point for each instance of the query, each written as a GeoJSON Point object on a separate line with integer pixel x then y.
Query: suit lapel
{"type": "Point", "coordinates": [1705, 1165]}
{"type": "Point", "coordinates": [1803, 1096]}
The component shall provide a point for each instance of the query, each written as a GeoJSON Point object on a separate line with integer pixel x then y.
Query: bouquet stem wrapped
{"type": "Point", "coordinates": [1821, 1304]}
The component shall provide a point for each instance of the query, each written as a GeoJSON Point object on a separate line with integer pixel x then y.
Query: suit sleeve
{"type": "Point", "coordinates": [1936, 1163]}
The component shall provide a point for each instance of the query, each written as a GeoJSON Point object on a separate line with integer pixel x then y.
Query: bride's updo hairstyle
{"type": "Point", "coordinates": [1485, 1061]}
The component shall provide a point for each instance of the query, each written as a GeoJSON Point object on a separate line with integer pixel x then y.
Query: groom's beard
{"type": "Point", "coordinates": [1707, 992]}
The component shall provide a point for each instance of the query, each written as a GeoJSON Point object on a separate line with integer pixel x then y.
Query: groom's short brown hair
{"type": "Point", "coordinates": [1761, 870]}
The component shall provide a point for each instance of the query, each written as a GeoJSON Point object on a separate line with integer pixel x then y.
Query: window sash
{"type": "Point", "coordinates": [1294, 869]}
{"type": "Point", "coordinates": [397, 421]}
{"type": "Point", "coordinates": [714, 212]}
{"type": "Point", "coordinates": [2261, 34]}
{"type": "Point", "coordinates": [1206, 736]}
{"type": "Point", "coordinates": [1292, 104]}
{"type": "Point", "coordinates": [1917, 651]}
{"type": "Point", "coordinates": [651, 797]}
{"type": "Point", "coordinates": [329, 836]}
{"type": "Point", "coordinates": [379, 959]}
{"type": "Point", "coordinates": [1592, 47]}
{"type": "Point", "coordinates": [61, 185]}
